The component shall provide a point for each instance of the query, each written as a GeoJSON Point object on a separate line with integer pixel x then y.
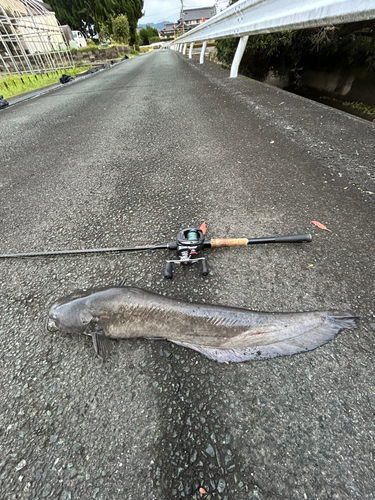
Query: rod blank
{"type": "Point", "coordinates": [82, 251]}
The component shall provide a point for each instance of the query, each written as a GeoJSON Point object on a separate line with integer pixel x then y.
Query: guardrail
{"type": "Point", "coordinates": [253, 17]}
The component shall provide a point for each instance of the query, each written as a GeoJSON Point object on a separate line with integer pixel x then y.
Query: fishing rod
{"type": "Point", "coordinates": [189, 243]}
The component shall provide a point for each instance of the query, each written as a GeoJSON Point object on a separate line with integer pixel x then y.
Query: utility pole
{"type": "Point", "coordinates": [220, 5]}
{"type": "Point", "coordinates": [182, 16]}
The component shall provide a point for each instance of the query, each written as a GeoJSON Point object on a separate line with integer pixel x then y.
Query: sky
{"type": "Point", "coordinates": [169, 10]}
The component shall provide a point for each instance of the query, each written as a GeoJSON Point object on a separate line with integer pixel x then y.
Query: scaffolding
{"type": "Point", "coordinates": [31, 39]}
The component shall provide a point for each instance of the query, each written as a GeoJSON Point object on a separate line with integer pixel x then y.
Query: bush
{"type": "Point", "coordinates": [90, 48]}
{"type": "Point", "coordinates": [277, 51]}
{"type": "Point", "coordinates": [348, 48]}
{"type": "Point", "coordinates": [146, 33]}
{"type": "Point", "coordinates": [154, 39]}
{"type": "Point", "coordinates": [121, 30]}
{"type": "Point", "coordinates": [104, 32]}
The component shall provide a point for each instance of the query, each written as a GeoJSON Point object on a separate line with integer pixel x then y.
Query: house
{"type": "Point", "coordinates": [190, 18]}
{"type": "Point", "coordinates": [168, 31]}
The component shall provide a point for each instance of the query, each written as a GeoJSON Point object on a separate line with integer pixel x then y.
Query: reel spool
{"type": "Point", "coordinates": [189, 242]}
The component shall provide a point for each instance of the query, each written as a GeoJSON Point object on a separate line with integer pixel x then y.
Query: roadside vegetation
{"type": "Point", "coordinates": [347, 50]}
{"type": "Point", "coordinates": [149, 35]}
{"type": "Point", "coordinates": [92, 46]}
{"type": "Point", "coordinates": [98, 16]}
{"type": "Point", "coordinates": [356, 107]}
{"type": "Point", "coordinates": [113, 21]}
{"type": "Point", "coordinates": [11, 86]}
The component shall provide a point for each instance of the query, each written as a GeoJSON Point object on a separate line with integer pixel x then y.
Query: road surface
{"type": "Point", "coordinates": [130, 157]}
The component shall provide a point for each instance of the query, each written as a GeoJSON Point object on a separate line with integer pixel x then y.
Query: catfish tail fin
{"type": "Point", "coordinates": [343, 319]}
{"type": "Point", "coordinates": [306, 341]}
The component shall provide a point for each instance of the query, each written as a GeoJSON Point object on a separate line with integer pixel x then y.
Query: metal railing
{"type": "Point", "coordinates": [253, 17]}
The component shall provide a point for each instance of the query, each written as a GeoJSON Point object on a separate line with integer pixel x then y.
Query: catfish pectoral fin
{"type": "Point", "coordinates": [102, 345]}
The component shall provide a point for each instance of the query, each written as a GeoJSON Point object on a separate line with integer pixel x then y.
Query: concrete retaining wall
{"type": "Point", "coordinates": [99, 56]}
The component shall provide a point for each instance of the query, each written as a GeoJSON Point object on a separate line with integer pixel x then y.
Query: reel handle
{"type": "Point", "coordinates": [168, 273]}
{"type": "Point", "coordinates": [204, 267]}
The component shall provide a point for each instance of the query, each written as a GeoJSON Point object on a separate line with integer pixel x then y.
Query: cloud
{"type": "Point", "coordinates": [168, 10]}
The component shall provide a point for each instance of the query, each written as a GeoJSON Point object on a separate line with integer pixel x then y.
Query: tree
{"type": "Point", "coordinates": [147, 33]}
{"type": "Point", "coordinates": [66, 12]}
{"type": "Point", "coordinates": [133, 11]}
{"type": "Point", "coordinates": [81, 14]}
{"type": "Point", "coordinates": [120, 27]}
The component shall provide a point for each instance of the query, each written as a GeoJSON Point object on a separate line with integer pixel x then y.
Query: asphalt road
{"type": "Point", "coordinates": [130, 157]}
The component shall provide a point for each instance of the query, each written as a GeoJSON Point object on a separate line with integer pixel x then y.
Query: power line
{"type": "Point", "coordinates": [165, 12]}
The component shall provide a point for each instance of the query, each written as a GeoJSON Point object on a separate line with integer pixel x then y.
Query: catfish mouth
{"type": "Point", "coordinates": [51, 325]}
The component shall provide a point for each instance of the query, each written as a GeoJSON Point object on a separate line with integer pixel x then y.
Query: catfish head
{"type": "Point", "coordinates": [70, 314]}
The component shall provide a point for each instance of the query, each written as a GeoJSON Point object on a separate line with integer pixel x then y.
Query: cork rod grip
{"type": "Point", "coordinates": [231, 242]}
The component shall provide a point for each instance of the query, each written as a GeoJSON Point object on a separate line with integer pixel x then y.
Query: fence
{"type": "Point", "coordinates": [253, 17]}
{"type": "Point", "coordinates": [31, 39]}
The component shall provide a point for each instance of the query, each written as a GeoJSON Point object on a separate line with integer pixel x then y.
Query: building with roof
{"type": "Point", "coordinates": [190, 18]}
{"type": "Point", "coordinates": [168, 31]}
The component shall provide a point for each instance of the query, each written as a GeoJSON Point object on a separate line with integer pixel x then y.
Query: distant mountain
{"type": "Point", "coordinates": [158, 26]}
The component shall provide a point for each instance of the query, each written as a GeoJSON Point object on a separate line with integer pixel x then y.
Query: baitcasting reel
{"type": "Point", "coordinates": [189, 242]}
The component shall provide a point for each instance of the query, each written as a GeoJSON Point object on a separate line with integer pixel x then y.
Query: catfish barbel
{"type": "Point", "coordinates": [221, 333]}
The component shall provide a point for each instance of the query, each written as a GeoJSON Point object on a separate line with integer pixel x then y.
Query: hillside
{"type": "Point", "coordinates": [158, 26]}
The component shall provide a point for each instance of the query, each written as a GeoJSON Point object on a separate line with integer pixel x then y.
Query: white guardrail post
{"type": "Point", "coordinates": [254, 17]}
{"type": "Point", "coordinates": [191, 50]}
{"type": "Point", "coordinates": [184, 49]}
{"type": "Point", "coordinates": [204, 46]}
{"type": "Point", "coordinates": [238, 56]}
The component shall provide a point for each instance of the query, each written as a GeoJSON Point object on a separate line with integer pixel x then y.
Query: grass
{"type": "Point", "coordinates": [94, 46]}
{"type": "Point", "coordinates": [14, 85]}
{"type": "Point", "coordinates": [361, 107]}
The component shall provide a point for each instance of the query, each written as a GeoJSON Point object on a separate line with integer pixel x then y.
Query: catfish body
{"type": "Point", "coordinates": [219, 332]}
